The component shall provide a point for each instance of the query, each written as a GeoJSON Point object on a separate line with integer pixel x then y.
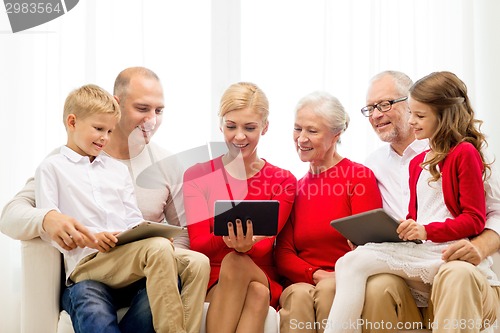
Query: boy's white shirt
{"type": "Point", "coordinates": [20, 221]}
{"type": "Point", "coordinates": [100, 195]}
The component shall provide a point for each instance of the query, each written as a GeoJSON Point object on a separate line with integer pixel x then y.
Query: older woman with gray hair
{"type": "Point", "coordinates": [334, 187]}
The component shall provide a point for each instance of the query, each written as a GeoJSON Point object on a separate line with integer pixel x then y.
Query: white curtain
{"type": "Point", "coordinates": [198, 48]}
{"type": "Point", "coordinates": [293, 47]}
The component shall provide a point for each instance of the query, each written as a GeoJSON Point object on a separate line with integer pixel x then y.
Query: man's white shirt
{"type": "Point", "coordinates": [391, 171]}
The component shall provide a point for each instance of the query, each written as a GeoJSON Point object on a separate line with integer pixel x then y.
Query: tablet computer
{"type": "Point", "coordinates": [374, 226]}
{"type": "Point", "coordinates": [148, 229]}
{"type": "Point", "coordinates": [262, 213]}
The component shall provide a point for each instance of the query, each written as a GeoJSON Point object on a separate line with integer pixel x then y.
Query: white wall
{"type": "Point", "coordinates": [487, 70]}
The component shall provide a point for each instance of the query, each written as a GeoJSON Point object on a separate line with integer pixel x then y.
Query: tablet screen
{"type": "Point", "coordinates": [262, 213]}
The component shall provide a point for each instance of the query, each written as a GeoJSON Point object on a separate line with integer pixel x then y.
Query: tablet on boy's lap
{"type": "Point", "coordinates": [374, 226]}
{"type": "Point", "coordinates": [148, 229]}
{"type": "Point", "coordinates": [262, 213]}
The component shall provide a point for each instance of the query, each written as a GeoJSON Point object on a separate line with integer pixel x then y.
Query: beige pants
{"type": "Point", "coordinates": [155, 259]}
{"type": "Point", "coordinates": [194, 271]}
{"type": "Point", "coordinates": [461, 301]}
{"type": "Point", "coordinates": [305, 308]}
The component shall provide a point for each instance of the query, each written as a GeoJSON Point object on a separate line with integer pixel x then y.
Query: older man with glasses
{"type": "Point", "coordinates": [388, 299]}
{"type": "Point", "coordinates": [383, 106]}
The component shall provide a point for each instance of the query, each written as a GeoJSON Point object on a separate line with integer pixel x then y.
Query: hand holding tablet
{"type": "Point", "coordinates": [374, 226]}
{"type": "Point", "coordinates": [148, 229]}
{"type": "Point", "coordinates": [262, 213]}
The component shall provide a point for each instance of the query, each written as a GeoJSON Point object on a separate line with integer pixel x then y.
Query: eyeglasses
{"type": "Point", "coordinates": [383, 106]}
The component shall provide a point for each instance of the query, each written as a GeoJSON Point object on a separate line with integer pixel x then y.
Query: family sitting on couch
{"type": "Point", "coordinates": [87, 191]}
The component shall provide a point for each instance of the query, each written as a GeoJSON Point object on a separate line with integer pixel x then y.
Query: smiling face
{"type": "Point", "coordinates": [242, 130]}
{"type": "Point", "coordinates": [88, 136]}
{"type": "Point", "coordinates": [142, 109]}
{"type": "Point", "coordinates": [314, 141]}
{"type": "Point", "coordinates": [391, 126]}
{"type": "Point", "coordinates": [423, 119]}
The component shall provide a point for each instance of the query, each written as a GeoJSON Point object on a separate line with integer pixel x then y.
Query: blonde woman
{"type": "Point", "coordinates": [243, 281]}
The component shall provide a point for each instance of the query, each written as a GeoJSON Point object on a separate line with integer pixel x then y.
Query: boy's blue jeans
{"type": "Point", "coordinates": [92, 307]}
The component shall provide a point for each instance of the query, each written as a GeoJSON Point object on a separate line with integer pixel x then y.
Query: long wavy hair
{"type": "Point", "coordinates": [447, 96]}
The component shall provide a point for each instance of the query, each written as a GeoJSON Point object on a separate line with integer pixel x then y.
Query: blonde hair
{"type": "Point", "coordinates": [447, 96]}
{"type": "Point", "coordinates": [89, 100]}
{"type": "Point", "coordinates": [244, 95]}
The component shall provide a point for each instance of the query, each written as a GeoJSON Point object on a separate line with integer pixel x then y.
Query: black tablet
{"type": "Point", "coordinates": [374, 226]}
{"type": "Point", "coordinates": [148, 229]}
{"type": "Point", "coordinates": [262, 213]}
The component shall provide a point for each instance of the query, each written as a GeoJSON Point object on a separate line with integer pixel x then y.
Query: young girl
{"type": "Point", "coordinates": [447, 201]}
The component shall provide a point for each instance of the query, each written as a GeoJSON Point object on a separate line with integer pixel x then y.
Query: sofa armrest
{"type": "Point", "coordinates": [40, 286]}
{"type": "Point", "coordinates": [496, 263]}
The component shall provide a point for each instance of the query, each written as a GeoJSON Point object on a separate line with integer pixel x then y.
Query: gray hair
{"type": "Point", "coordinates": [402, 82]}
{"type": "Point", "coordinates": [327, 106]}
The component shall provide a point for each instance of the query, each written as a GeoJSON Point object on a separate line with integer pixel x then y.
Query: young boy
{"type": "Point", "coordinates": [97, 191]}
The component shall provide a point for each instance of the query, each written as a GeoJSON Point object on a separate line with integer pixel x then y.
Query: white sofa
{"type": "Point", "coordinates": [40, 292]}
{"type": "Point", "coordinates": [41, 283]}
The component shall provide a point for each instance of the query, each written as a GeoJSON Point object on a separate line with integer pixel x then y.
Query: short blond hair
{"type": "Point", "coordinates": [88, 100]}
{"type": "Point", "coordinates": [244, 95]}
